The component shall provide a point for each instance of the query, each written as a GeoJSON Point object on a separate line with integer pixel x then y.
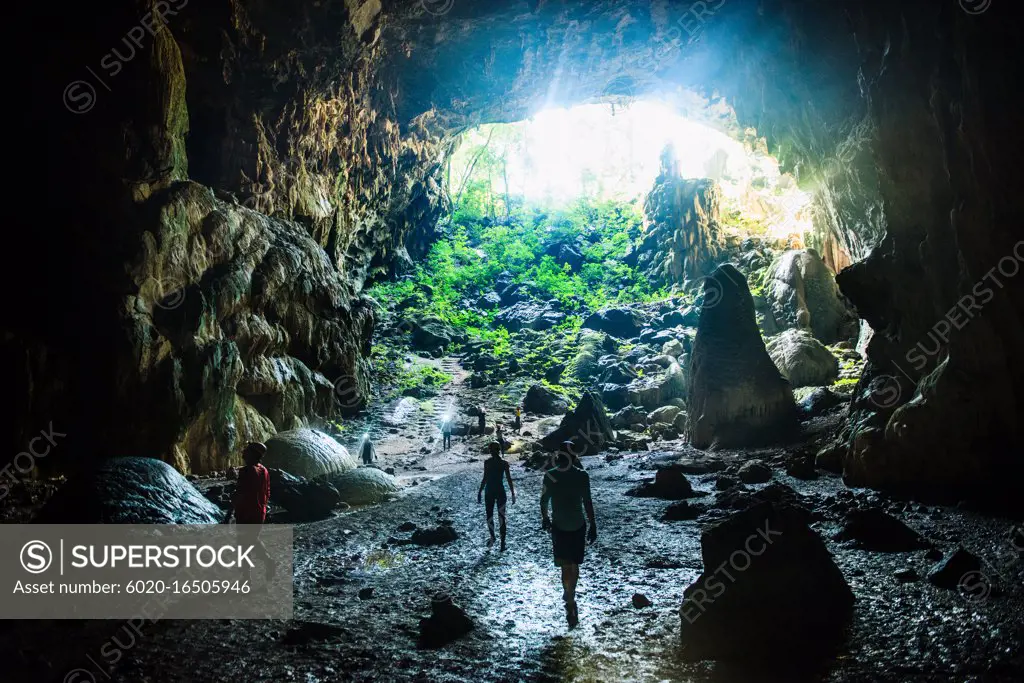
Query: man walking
{"type": "Point", "coordinates": [496, 470]}
{"type": "Point", "coordinates": [250, 503]}
{"type": "Point", "coordinates": [567, 488]}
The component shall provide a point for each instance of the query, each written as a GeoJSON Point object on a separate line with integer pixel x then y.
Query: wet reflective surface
{"type": "Point", "coordinates": [900, 631]}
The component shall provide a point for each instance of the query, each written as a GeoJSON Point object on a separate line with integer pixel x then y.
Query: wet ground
{"type": "Point", "coordinates": [899, 632]}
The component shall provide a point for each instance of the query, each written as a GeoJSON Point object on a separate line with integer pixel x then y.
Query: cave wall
{"type": "Point", "coordinates": [333, 118]}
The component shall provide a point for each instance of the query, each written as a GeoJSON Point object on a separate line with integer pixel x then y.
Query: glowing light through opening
{"type": "Point", "coordinates": [605, 153]}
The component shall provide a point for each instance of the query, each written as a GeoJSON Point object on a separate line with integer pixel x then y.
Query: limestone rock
{"type": "Point", "coordinates": [544, 401]}
{"type": "Point", "coordinates": [129, 491]}
{"type": "Point", "coordinates": [682, 239]}
{"type": "Point", "coordinates": [587, 427]}
{"type": "Point", "coordinates": [623, 323]}
{"type": "Point", "coordinates": [307, 453]}
{"type": "Point", "coordinates": [737, 396]}
{"type": "Point", "coordinates": [803, 294]}
{"type": "Point", "coordinates": [783, 592]}
{"type": "Point", "coordinates": [754, 472]}
{"type": "Point", "coordinates": [528, 315]}
{"type": "Point", "coordinates": [304, 500]}
{"type": "Point", "coordinates": [364, 486]}
{"type": "Point", "coordinates": [665, 414]}
{"type": "Point", "coordinates": [802, 359]}
{"type": "Point", "coordinates": [874, 529]}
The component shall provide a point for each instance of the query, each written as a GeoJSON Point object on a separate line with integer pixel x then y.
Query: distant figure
{"type": "Point", "coordinates": [496, 470]}
{"type": "Point", "coordinates": [517, 422]}
{"type": "Point", "coordinates": [503, 444]}
{"type": "Point", "coordinates": [567, 488]}
{"type": "Point", "coordinates": [366, 451]}
{"type": "Point", "coordinates": [252, 493]}
{"type": "Point", "coordinates": [446, 432]}
{"type": "Point", "coordinates": [482, 420]}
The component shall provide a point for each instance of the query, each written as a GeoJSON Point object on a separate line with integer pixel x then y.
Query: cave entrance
{"type": "Point", "coordinates": [611, 152]}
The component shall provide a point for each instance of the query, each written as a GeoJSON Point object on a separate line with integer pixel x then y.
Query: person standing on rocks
{"type": "Point", "coordinates": [567, 488]}
{"type": "Point", "coordinates": [517, 422]}
{"type": "Point", "coordinates": [367, 452]}
{"type": "Point", "coordinates": [446, 432]}
{"type": "Point", "coordinates": [496, 470]}
{"type": "Point", "coordinates": [482, 420]}
{"type": "Point", "coordinates": [252, 493]}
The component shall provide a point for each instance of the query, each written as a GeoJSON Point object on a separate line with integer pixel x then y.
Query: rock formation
{"type": "Point", "coordinates": [802, 293]}
{"type": "Point", "coordinates": [129, 491]}
{"type": "Point", "coordinates": [587, 426]}
{"type": "Point", "coordinates": [364, 486]}
{"type": "Point", "coordinates": [803, 360]}
{"type": "Point", "coordinates": [769, 587]}
{"type": "Point", "coordinates": [682, 240]}
{"type": "Point", "coordinates": [736, 395]}
{"type": "Point", "coordinates": [308, 453]}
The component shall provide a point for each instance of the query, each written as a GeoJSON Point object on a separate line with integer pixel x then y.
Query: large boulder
{"type": "Point", "coordinates": [365, 486]}
{"type": "Point", "coordinates": [431, 333]}
{"type": "Point", "coordinates": [769, 588]}
{"type": "Point", "coordinates": [307, 453]}
{"type": "Point", "coordinates": [623, 323]}
{"type": "Point", "coordinates": [545, 401]}
{"type": "Point", "coordinates": [587, 427]}
{"type": "Point", "coordinates": [654, 391]}
{"type": "Point", "coordinates": [737, 397]}
{"type": "Point", "coordinates": [129, 491]}
{"type": "Point", "coordinates": [803, 294]}
{"type": "Point", "coordinates": [592, 345]}
{"type": "Point", "coordinates": [529, 315]}
{"type": "Point", "coordinates": [802, 359]}
{"type": "Point", "coordinates": [304, 500]}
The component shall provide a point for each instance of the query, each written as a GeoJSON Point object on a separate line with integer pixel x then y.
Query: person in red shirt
{"type": "Point", "coordinates": [253, 489]}
{"type": "Point", "coordinates": [250, 502]}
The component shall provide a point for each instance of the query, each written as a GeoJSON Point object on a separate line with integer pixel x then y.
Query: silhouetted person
{"type": "Point", "coordinates": [366, 450]}
{"type": "Point", "coordinates": [482, 420]}
{"type": "Point", "coordinates": [517, 422]}
{"type": "Point", "coordinates": [503, 444]}
{"type": "Point", "coordinates": [252, 493]}
{"type": "Point", "coordinates": [446, 432]}
{"type": "Point", "coordinates": [496, 470]}
{"type": "Point", "coordinates": [567, 488]}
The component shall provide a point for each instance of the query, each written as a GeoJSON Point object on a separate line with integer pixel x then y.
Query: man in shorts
{"type": "Point", "coordinates": [496, 470]}
{"type": "Point", "coordinates": [567, 488]}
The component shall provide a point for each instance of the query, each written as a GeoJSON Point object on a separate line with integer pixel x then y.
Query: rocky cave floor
{"type": "Point", "coordinates": [901, 630]}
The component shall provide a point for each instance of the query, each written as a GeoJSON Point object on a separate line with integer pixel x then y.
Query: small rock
{"type": "Point", "coordinates": [407, 526]}
{"type": "Point", "coordinates": [366, 593]}
{"type": "Point", "coordinates": [933, 554]}
{"type": "Point", "coordinates": [446, 623]}
{"type": "Point", "coordinates": [439, 535]}
{"type": "Point", "coordinates": [640, 601]}
{"type": "Point", "coordinates": [755, 472]}
{"type": "Point", "coordinates": [949, 572]}
{"type": "Point", "coordinates": [873, 529]}
{"type": "Point", "coordinates": [906, 576]}
{"type": "Point", "coordinates": [681, 511]}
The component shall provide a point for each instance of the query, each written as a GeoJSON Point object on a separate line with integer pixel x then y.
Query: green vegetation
{"type": "Point", "coordinates": [477, 250]}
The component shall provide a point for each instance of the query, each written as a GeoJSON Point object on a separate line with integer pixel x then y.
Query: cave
{"type": "Point", "coordinates": [263, 224]}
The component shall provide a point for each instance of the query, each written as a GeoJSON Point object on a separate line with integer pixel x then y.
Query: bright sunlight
{"type": "Point", "coordinates": [601, 152]}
